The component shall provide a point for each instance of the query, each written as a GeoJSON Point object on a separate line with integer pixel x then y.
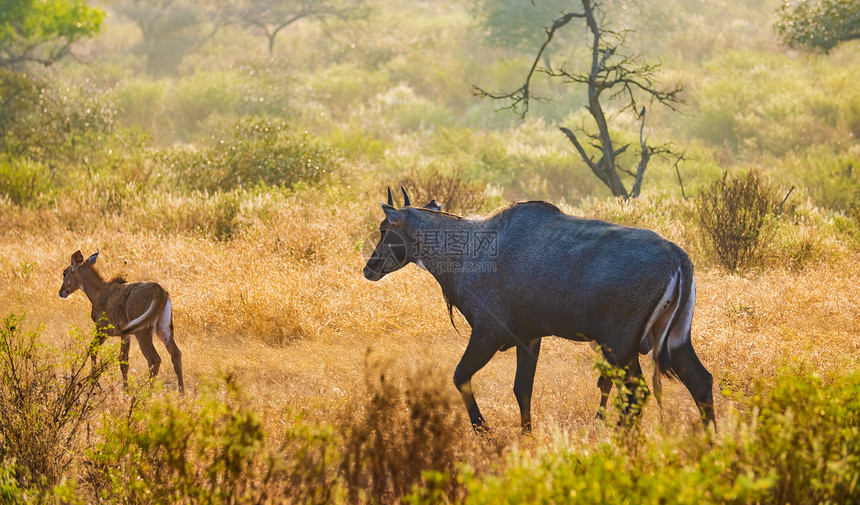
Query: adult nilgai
{"type": "Point", "coordinates": [531, 271]}
{"type": "Point", "coordinates": [121, 308]}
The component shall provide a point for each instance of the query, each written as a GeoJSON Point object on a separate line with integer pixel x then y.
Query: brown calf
{"type": "Point", "coordinates": [123, 308]}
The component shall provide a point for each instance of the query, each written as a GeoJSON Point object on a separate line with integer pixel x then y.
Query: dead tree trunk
{"type": "Point", "coordinates": [613, 77]}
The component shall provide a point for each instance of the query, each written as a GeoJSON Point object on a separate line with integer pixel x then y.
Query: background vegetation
{"type": "Point", "coordinates": [242, 171]}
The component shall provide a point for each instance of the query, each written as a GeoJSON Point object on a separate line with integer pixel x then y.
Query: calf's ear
{"type": "Point", "coordinates": [92, 259]}
{"type": "Point", "coordinates": [77, 259]}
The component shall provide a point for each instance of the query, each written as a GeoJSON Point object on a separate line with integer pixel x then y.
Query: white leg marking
{"type": "Point", "coordinates": [678, 334]}
{"type": "Point", "coordinates": [662, 315]}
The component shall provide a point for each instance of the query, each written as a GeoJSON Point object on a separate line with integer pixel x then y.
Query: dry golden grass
{"type": "Point", "coordinates": [283, 307]}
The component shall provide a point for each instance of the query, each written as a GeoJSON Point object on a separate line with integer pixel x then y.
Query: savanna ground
{"type": "Point", "coordinates": [247, 185]}
{"type": "Point", "coordinates": [283, 309]}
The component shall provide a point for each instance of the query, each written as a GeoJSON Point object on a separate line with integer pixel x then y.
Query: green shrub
{"type": "Point", "coordinates": [735, 216]}
{"type": "Point", "coordinates": [256, 152]}
{"type": "Point", "coordinates": [46, 401]}
{"type": "Point", "coordinates": [24, 182]}
{"type": "Point", "coordinates": [806, 437]}
{"type": "Point", "coordinates": [61, 121]}
{"type": "Point", "coordinates": [195, 99]}
{"type": "Point", "coordinates": [210, 450]}
{"type": "Point", "coordinates": [142, 103]}
{"type": "Point", "coordinates": [800, 444]}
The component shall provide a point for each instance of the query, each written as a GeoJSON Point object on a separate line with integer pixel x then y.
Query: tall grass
{"type": "Point", "coordinates": [281, 306]}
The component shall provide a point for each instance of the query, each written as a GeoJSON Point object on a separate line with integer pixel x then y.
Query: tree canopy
{"type": "Point", "coordinates": [516, 24]}
{"type": "Point", "coordinates": [43, 31]}
{"type": "Point", "coordinates": [272, 16]}
{"type": "Point", "coordinates": [818, 25]}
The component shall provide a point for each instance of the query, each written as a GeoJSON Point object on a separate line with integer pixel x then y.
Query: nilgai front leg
{"type": "Point", "coordinates": [527, 358]}
{"type": "Point", "coordinates": [478, 353]}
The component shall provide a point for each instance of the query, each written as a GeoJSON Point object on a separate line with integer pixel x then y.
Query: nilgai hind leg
{"type": "Point", "coordinates": [696, 378]}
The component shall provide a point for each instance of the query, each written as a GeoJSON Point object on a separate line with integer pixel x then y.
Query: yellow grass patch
{"type": "Point", "coordinates": [284, 308]}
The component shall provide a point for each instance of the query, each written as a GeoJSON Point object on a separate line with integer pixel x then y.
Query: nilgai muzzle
{"type": "Point", "coordinates": [123, 308]}
{"type": "Point", "coordinates": [531, 271]}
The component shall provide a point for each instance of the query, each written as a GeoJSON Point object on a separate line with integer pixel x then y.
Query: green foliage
{"type": "Point", "coordinates": [61, 122]}
{"type": "Point", "coordinates": [806, 436]}
{"type": "Point", "coordinates": [735, 217]}
{"type": "Point", "coordinates": [10, 491]}
{"type": "Point", "coordinates": [46, 401]}
{"type": "Point", "coordinates": [42, 31]}
{"type": "Point", "coordinates": [818, 25]}
{"type": "Point", "coordinates": [799, 445]}
{"type": "Point", "coordinates": [214, 449]}
{"type": "Point", "coordinates": [164, 451]}
{"type": "Point", "coordinates": [24, 182]}
{"type": "Point", "coordinates": [789, 108]}
{"type": "Point", "coordinates": [517, 25]}
{"type": "Point", "coordinates": [610, 474]}
{"type": "Point", "coordinates": [256, 152]}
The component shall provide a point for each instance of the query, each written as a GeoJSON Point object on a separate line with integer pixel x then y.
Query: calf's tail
{"type": "Point", "coordinates": [145, 319]}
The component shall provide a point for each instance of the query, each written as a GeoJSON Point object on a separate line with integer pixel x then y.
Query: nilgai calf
{"type": "Point", "coordinates": [123, 308]}
{"type": "Point", "coordinates": [531, 271]}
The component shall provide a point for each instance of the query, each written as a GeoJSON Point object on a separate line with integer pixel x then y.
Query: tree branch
{"type": "Point", "coordinates": [521, 95]}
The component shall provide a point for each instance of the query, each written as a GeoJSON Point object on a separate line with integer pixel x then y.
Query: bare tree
{"type": "Point", "coordinates": [272, 16]}
{"type": "Point", "coordinates": [613, 76]}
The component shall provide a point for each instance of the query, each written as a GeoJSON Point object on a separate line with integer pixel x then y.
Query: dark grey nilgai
{"type": "Point", "coordinates": [531, 271]}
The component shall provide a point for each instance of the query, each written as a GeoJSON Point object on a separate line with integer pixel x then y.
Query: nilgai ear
{"type": "Point", "coordinates": [433, 205]}
{"type": "Point", "coordinates": [406, 202]}
{"type": "Point", "coordinates": [77, 258]}
{"type": "Point", "coordinates": [390, 200]}
{"type": "Point", "coordinates": [92, 259]}
{"type": "Point", "coordinates": [393, 215]}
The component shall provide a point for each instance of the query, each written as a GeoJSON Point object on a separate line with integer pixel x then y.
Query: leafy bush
{"type": "Point", "coordinates": [806, 438]}
{"type": "Point", "coordinates": [734, 215]}
{"type": "Point", "coordinates": [215, 450]}
{"type": "Point", "coordinates": [46, 402]}
{"type": "Point", "coordinates": [212, 450]}
{"type": "Point", "coordinates": [198, 98]}
{"type": "Point", "coordinates": [256, 152]}
{"type": "Point", "coordinates": [800, 444]}
{"type": "Point", "coordinates": [61, 121]}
